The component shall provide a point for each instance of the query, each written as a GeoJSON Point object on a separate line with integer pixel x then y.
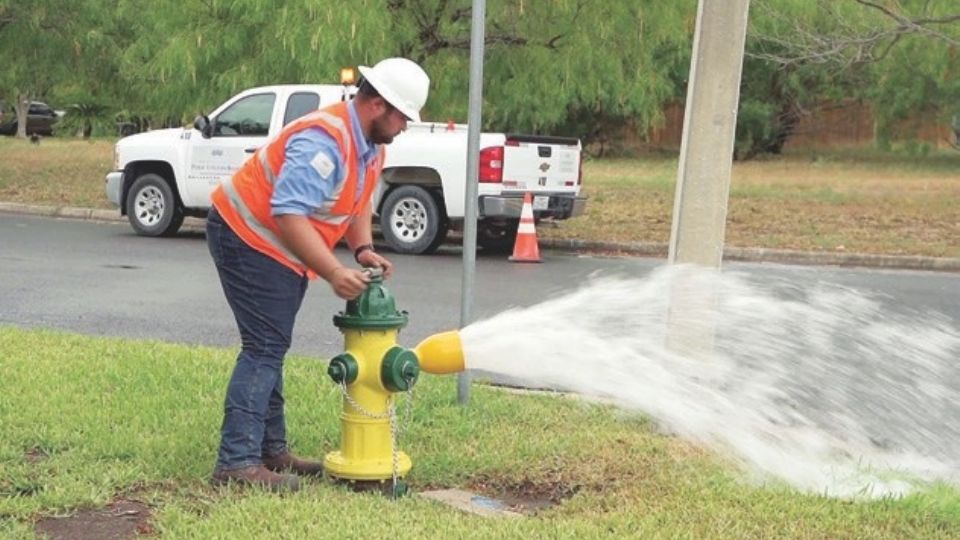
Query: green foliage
{"type": "Point", "coordinates": [802, 53]}
{"type": "Point", "coordinates": [201, 52]}
{"type": "Point", "coordinates": [552, 64]}
{"type": "Point", "coordinates": [920, 76]}
{"type": "Point", "coordinates": [86, 120]}
{"type": "Point", "coordinates": [34, 40]}
{"type": "Point", "coordinates": [780, 84]}
{"type": "Point", "coordinates": [560, 66]}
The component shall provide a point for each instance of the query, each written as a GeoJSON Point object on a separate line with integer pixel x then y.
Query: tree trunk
{"type": "Point", "coordinates": [786, 125]}
{"type": "Point", "coordinates": [22, 107]}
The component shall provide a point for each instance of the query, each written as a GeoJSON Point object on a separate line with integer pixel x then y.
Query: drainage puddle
{"type": "Point", "coordinates": [518, 500]}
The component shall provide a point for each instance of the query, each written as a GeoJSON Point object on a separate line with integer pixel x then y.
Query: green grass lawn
{"type": "Point", "coordinates": [84, 421]}
{"type": "Point", "coordinates": [861, 201]}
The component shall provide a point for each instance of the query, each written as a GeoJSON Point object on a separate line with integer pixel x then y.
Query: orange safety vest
{"type": "Point", "coordinates": [244, 200]}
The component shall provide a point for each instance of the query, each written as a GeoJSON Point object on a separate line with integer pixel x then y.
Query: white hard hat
{"type": "Point", "coordinates": [401, 82]}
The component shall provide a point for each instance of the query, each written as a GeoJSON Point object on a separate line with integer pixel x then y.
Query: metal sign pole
{"type": "Point", "coordinates": [473, 165]}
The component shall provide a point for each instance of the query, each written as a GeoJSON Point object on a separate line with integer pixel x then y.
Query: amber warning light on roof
{"type": "Point", "coordinates": [347, 76]}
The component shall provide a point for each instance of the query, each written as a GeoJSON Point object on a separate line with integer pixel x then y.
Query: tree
{"type": "Point", "coordinates": [567, 65]}
{"type": "Point", "coordinates": [546, 62]}
{"type": "Point", "coordinates": [859, 31]}
{"type": "Point", "coordinates": [900, 56]}
{"type": "Point", "coordinates": [33, 38]}
{"type": "Point", "coordinates": [68, 51]}
{"type": "Point", "coordinates": [193, 54]}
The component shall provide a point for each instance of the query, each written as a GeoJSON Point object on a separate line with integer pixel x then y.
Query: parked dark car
{"type": "Point", "coordinates": [40, 119]}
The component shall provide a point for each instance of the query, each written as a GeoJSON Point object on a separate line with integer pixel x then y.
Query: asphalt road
{"type": "Point", "coordinates": [101, 279]}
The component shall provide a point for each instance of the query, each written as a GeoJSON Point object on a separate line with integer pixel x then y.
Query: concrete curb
{"type": "Point", "coordinates": [637, 249]}
{"type": "Point", "coordinates": [782, 256]}
{"type": "Point", "coordinates": [95, 214]}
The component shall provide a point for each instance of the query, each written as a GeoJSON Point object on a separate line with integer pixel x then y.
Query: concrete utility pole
{"type": "Point", "coordinates": [709, 125]}
{"type": "Point", "coordinates": [703, 176]}
{"type": "Point", "coordinates": [477, 33]}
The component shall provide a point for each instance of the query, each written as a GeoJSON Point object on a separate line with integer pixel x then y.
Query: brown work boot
{"type": "Point", "coordinates": [256, 475]}
{"type": "Point", "coordinates": [287, 462]}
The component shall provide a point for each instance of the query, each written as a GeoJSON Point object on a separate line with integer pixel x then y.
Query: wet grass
{"type": "Point", "coordinates": [86, 421]}
{"type": "Point", "coordinates": [856, 201]}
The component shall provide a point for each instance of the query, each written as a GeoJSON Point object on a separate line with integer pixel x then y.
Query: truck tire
{"type": "Point", "coordinates": [152, 208]}
{"type": "Point", "coordinates": [497, 237]}
{"type": "Point", "coordinates": [412, 222]}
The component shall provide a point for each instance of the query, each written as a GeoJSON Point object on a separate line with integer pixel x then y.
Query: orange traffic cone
{"type": "Point", "coordinates": [525, 249]}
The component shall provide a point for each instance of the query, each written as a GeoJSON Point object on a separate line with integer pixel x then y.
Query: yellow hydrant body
{"type": "Point", "coordinates": [366, 439]}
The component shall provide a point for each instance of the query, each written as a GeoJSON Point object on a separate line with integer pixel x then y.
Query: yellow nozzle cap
{"type": "Point", "coordinates": [441, 353]}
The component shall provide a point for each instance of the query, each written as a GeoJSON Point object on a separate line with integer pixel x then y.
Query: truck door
{"type": "Point", "coordinates": [238, 130]}
{"type": "Point", "coordinates": [300, 104]}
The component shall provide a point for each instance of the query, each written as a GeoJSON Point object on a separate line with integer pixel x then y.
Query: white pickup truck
{"type": "Point", "coordinates": [161, 176]}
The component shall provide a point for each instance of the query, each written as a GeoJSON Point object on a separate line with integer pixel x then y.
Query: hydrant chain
{"type": "Point", "coordinates": [395, 436]}
{"type": "Point", "coordinates": [353, 403]}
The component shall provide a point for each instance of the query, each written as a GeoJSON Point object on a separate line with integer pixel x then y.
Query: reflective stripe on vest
{"type": "Point", "coordinates": [254, 223]}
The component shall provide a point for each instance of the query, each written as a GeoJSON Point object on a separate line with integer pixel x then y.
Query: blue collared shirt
{"type": "Point", "coordinates": [313, 168]}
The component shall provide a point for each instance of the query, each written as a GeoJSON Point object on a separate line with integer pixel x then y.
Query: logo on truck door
{"type": "Point", "coordinates": [544, 167]}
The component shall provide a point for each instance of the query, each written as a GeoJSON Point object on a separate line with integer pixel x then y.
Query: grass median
{"type": "Point", "coordinates": [86, 421]}
{"type": "Point", "coordinates": [853, 201]}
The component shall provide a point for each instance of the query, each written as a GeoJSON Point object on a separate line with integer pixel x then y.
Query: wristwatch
{"type": "Point", "coordinates": [361, 249]}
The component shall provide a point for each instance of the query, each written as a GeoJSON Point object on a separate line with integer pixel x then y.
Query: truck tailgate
{"type": "Point", "coordinates": [540, 164]}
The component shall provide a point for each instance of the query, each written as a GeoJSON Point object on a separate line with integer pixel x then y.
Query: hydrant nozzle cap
{"type": "Point", "coordinates": [375, 308]}
{"type": "Point", "coordinates": [343, 368]}
{"type": "Point", "coordinates": [400, 369]}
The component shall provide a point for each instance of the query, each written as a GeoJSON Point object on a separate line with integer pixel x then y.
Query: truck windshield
{"type": "Point", "coordinates": [250, 116]}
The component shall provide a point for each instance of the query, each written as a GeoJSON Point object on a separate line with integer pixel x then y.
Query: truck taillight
{"type": "Point", "coordinates": [580, 172]}
{"type": "Point", "coordinates": [491, 165]}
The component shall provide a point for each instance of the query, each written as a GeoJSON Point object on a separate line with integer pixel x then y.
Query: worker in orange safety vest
{"type": "Point", "coordinates": [273, 227]}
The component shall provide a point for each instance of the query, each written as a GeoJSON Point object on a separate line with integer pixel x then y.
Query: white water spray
{"type": "Point", "coordinates": [826, 390]}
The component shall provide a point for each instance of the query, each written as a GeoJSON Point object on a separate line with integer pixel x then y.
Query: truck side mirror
{"type": "Point", "coordinates": [203, 125]}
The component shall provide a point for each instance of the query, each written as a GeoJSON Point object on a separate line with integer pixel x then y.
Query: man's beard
{"type": "Point", "coordinates": [378, 130]}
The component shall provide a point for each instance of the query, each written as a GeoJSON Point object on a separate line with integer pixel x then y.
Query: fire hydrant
{"type": "Point", "coordinates": [371, 372]}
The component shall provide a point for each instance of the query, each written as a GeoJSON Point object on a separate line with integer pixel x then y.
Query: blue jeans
{"type": "Point", "coordinates": [265, 297]}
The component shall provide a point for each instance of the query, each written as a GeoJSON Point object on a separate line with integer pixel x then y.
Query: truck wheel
{"type": "Point", "coordinates": [497, 237]}
{"type": "Point", "coordinates": [152, 208]}
{"type": "Point", "coordinates": [411, 221]}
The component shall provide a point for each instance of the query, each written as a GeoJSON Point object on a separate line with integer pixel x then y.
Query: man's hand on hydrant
{"type": "Point", "coordinates": [347, 283]}
{"type": "Point", "coordinates": [369, 258]}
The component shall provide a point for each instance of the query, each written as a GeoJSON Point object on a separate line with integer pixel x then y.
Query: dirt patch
{"type": "Point", "coordinates": [118, 520]}
{"type": "Point", "coordinates": [526, 496]}
{"type": "Point", "coordinates": [35, 455]}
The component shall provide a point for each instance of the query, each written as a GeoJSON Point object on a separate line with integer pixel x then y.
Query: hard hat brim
{"type": "Point", "coordinates": [384, 90]}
